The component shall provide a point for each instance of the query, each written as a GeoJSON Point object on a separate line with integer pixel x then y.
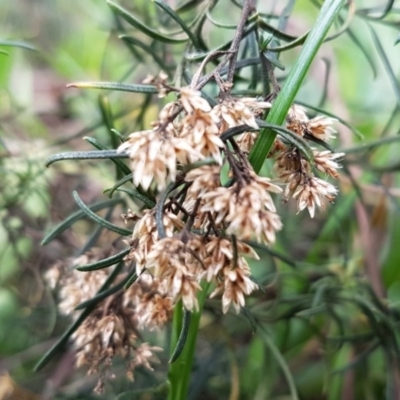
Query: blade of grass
{"type": "Point", "coordinates": [280, 108]}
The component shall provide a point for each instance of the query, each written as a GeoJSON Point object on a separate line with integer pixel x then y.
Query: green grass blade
{"type": "Point", "coordinates": [277, 115]}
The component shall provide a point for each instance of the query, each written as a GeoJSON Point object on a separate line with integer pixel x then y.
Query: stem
{"type": "Point", "coordinates": [277, 115]}
{"type": "Point", "coordinates": [180, 371]}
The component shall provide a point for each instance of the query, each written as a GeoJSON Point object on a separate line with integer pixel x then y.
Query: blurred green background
{"type": "Point", "coordinates": [346, 258]}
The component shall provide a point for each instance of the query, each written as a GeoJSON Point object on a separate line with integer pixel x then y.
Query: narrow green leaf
{"type": "Point", "coordinates": [292, 138]}
{"type": "Point", "coordinates": [121, 182]}
{"type": "Point", "coordinates": [101, 221]}
{"type": "Point", "coordinates": [265, 26]}
{"type": "Point", "coordinates": [18, 43]}
{"type": "Point", "coordinates": [4, 52]}
{"type": "Point", "coordinates": [107, 262]}
{"type": "Point", "coordinates": [61, 343]}
{"type": "Point", "coordinates": [159, 61]}
{"type": "Point", "coordinates": [365, 12]}
{"type": "Point", "coordinates": [123, 87]}
{"type": "Point", "coordinates": [371, 145]}
{"type": "Point", "coordinates": [392, 77]}
{"type": "Point", "coordinates": [182, 336]}
{"type": "Point", "coordinates": [120, 164]}
{"type": "Point", "coordinates": [278, 112]}
{"type": "Point", "coordinates": [101, 296]}
{"type": "Point", "coordinates": [132, 279]}
{"type": "Point", "coordinates": [85, 155]}
{"type": "Point", "coordinates": [250, 317]}
{"type": "Point", "coordinates": [188, 6]}
{"type": "Point", "coordinates": [78, 215]}
{"type": "Point", "coordinates": [291, 45]}
{"type": "Point", "coordinates": [178, 20]}
{"type": "Point", "coordinates": [365, 51]}
{"type": "Point", "coordinates": [131, 19]}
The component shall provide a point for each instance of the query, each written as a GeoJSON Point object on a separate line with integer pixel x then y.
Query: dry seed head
{"type": "Point", "coordinates": [234, 284]}
{"type": "Point", "coordinates": [325, 161]}
{"type": "Point", "coordinates": [320, 127]}
{"type": "Point", "coordinates": [155, 157]}
{"type": "Point", "coordinates": [248, 210]}
{"type": "Point", "coordinates": [168, 262]}
{"type": "Point", "coordinates": [233, 112]}
{"type": "Point", "coordinates": [310, 192]}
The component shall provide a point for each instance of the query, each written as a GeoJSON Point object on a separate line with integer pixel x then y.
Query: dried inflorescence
{"type": "Point", "coordinates": [112, 328]}
{"type": "Point", "coordinates": [210, 205]}
{"type": "Point", "coordinates": [296, 171]}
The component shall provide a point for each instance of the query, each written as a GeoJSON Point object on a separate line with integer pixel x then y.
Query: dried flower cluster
{"type": "Point", "coordinates": [112, 329]}
{"type": "Point", "coordinates": [198, 236]}
{"type": "Point", "coordinates": [296, 172]}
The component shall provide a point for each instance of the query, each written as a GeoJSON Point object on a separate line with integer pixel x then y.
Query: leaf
{"type": "Point", "coordinates": [131, 19]}
{"type": "Point", "coordinates": [101, 221]}
{"type": "Point", "coordinates": [292, 138]}
{"type": "Point", "coordinates": [159, 61]}
{"type": "Point", "coordinates": [121, 165]}
{"type": "Point", "coordinates": [364, 51]}
{"type": "Point", "coordinates": [123, 87]}
{"type": "Point", "coordinates": [371, 145]}
{"type": "Point", "coordinates": [265, 26]}
{"type": "Point", "coordinates": [182, 336]}
{"type": "Point", "coordinates": [101, 296]}
{"type": "Point", "coordinates": [69, 221]}
{"type": "Point", "coordinates": [84, 155]}
{"type": "Point", "coordinates": [386, 64]}
{"type": "Point", "coordinates": [134, 194]}
{"type": "Point", "coordinates": [281, 362]}
{"type": "Point", "coordinates": [188, 6]}
{"type": "Point", "coordinates": [292, 84]}
{"type": "Point", "coordinates": [61, 343]}
{"type": "Point", "coordinates": [107, 262]}
{"type": "Point", "coordinates": [271, 252]}
{"type": "Point", "coordinates": [297, 42]}
{"type": "Point", "coordinates": [18, 43]}
{"type": "Point", "coordinates": [179, 21]}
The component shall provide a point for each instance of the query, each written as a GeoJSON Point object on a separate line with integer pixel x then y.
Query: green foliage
{"type": "Point", "coordinates": [330, 310]}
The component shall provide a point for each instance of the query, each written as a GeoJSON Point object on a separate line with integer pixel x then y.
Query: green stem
{"type": "Point", "coordinates": [180, 371]}
{"type": "Point", "coordinates": [277, 115]}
